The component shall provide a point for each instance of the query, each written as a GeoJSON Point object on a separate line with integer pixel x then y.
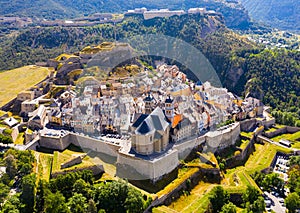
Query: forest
{"type": "Point", "coordinates": [72, 192]}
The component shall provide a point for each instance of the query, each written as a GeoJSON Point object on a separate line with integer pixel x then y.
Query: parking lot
{"type": "Point", "coordinates": [282, 167]}
{"type": "Point", "coordinates": [274, 202]}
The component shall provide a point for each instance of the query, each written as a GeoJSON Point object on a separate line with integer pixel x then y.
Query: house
{"type": "Point", "coordinates": [181, 128]}
{"type": "Point", "coordinates": [28, 106]}
{"type": "Point", "coordinates": [11, 122]}
{"type": "Point", "coordinates": [181, 89]}
{"type": "Point", "coordinates": [38, 117]}
{"type": "Point", "coordinates": [151, 133]}
{"type": "Point", "coordinates": [256, 104]}
{"type": "Point", "coordinates": [25, 95]}
{"type": "Point", "coordinates": [55, 117]}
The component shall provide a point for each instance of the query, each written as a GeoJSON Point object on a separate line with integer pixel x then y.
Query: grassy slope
{"type": "Point", "coordinates": [294, 138]}
{"type": "Point", "coordinates": [197, 201]}
{"type": "Point", "coordinates": [14, 81]}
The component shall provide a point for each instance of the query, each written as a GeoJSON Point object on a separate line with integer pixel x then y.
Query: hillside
{"type": "Point", "coordinates": [234, 13]}
{"type": "Point", "coordinates": [235, 59]}
{"type": "Point", "coordinates": [14, 81]}
{"type": "Point", "coordinates": [277, 13]}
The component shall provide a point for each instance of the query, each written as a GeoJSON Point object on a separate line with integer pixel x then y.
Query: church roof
{"type": "Point", "coordinates": [156, 121]}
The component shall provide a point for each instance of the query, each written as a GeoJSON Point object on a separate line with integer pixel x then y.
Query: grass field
{"type": "Point", "coordinates": [183, 174]}
{"type": "Point", "coordinates": [293, 138]}
{"type": "Point", "coordinates": [45, 164]}
{"type": "Point", "coordinates": [235, 181]}
{"type": "Point", "coordinates": [14, 81]}
{"type": "Point", "coordinates": [66, 155]}
{"type": "Point", "coordinates": [197, 201]}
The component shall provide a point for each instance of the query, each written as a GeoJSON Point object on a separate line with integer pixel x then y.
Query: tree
{"type": "Point", "coordinates": [294, 160]}
{"type": "Point", "coordinates": [41, 192]}
{"type": "Point", "coordinates": [12, 205]}
{"type": "Point", "coordinates": [77, 203]}
{"type": "Point", "coordinates": [4, 190]}
{"type": "Point", "coordinates": [272, 180]}
{"type": "Point", "coordinates": [25, 169]}
{"type": "Point", "coordinates": [11, 166]}
{"type": "Point", "coordinates": [258, 205]}
{"type": "Point", "coordinates": [111, 196]}
{"type": "Point", "coordinates": [5, 139]}
{"type": "Point", "coordinates": [92, 208]}
{"type": "Point", "coordinates": [294, 178]}
{"type": "Point", "coordinates": [292, 202]}
{"type": "Point", "coordinates": [250, 195]}
{"type": "Point", "coordinates": [134, 202]}
{"type": "Point", "coordinates": [5, 179]}
{"type": "Point", "coordinates": [218, 198]}
{"type": "Point", "coordinates": [28, 192]}
{"type": "Point", "coordinates": [55, 203]}
{"type": "Point", "coordinates": [80, 186]}
{"type": "Point", "coordinates": [228, 208]}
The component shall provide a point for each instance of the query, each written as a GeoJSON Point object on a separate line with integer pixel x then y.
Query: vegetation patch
{"type": "Point", "coordinates": [14, 81]}
{"type": "Point", "coordinates": [66, 155]}
{"type": "Point", "coordinates": [293, 138]}
{"type": "Point", "coordinates": [45, 162]}
{"type": "Point", "coordinates": [20, 139]}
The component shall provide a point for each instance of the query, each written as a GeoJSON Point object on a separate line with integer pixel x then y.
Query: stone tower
{"type": "Point", "coordinates": [169, 108]}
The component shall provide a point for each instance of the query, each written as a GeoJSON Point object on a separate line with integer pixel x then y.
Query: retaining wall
{"type": "Point", "coordinates": [96, 169]}
{"type": "Point", "coordinates": [71, 162]}
{"type": "Point", "coordinates": [84, 142]}
{"type": "Point", "coordinates": [284, 130]}
{"type": "Point", "coordinates": [131, 167]}
{"type": "Point", "coordinates": [185, 148]}
{"type": "Point", "coordinates": [220, 139]}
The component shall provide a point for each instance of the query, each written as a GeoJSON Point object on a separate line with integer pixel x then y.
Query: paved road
{"type": "Point", "coordinates": [278, 208]}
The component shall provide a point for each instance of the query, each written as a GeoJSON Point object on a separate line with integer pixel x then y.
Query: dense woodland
{"type": "Point", "coordinates": [75, 192]}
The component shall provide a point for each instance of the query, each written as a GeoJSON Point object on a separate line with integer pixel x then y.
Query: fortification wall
{"type": "Point", "coordinates": [284, 130]}
{"type": "Point", "coordinates": [185, 148]}
{"type": "Point", "coordinates": [61, 143]}
{"type": "Point", "coordinates": [96, 169]}
{"type": "Point", "coordinates": [240, 159]}
{"type": "Point", "coordinates": [71, 162]}
{"type": "Point", "coordinates": [55, 143]}
{"type": "Point", "coordinates": [131, 167]}
{"type": "Point", "coordinates": [224, 138]}
{"type": "Point", "coordinates": [93, 144]}
{"type": "Point", "coordinates": [268, 123]}
{"type": "Point", "coordinates": [248, 125]}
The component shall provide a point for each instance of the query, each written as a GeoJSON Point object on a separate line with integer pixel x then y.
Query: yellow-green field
{"type": "Point", "coordinates": [14, 81]}
{"type": "Point", "coordinates": [20, 139]}
{"type": "Point", "coordinates": [235, 181]}
{"type": "Point", "coordinates": [66, 155]}
{"type": "Point", "coordinates": [293, 138]}
{"type": "Point", "coordinates": [45, 164]}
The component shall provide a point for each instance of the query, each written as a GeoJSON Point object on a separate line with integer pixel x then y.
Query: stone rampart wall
{"type": "Point", "coordinates": [71, 162]}
{"type": "Point", "coordinates": [61, 143]}
{"type": "Point", "coordinates": [225, 138]}
{"type": "Point", "coordinates": [131, 167]}
{"type": "Point", "coordinates": [284, 130]}
{"type": "Point", "coordinates": [185, 148]}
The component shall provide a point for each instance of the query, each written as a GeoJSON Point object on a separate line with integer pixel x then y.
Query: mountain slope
{"type": "Point", "coordinates": [234, 13]}
{"type": "Point", "coordinates": [283, 14]}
